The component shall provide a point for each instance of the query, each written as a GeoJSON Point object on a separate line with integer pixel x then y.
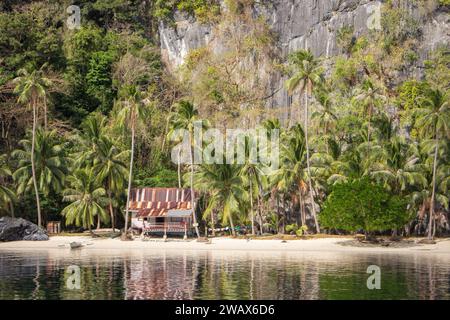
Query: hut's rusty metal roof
{"type": "Point", "coordinates": [156, 202]}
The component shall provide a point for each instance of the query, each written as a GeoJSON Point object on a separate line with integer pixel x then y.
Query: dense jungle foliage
{"type": "Point", "coordinates": [78, 107]}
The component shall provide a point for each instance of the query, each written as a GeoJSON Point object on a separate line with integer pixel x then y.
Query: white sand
{"type": "Point", "coordinates": [311, 245]}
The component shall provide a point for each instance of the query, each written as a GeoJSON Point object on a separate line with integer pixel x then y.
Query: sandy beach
{"type": "Point", "coordinates": [311, 245]}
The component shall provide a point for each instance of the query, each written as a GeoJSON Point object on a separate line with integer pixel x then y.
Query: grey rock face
{"type": "Point", "coordinates": [187, 35]}
{"type": "Point", "coordinates": [14, 229]}
{"type": "Point", "coordinates": [299, 24]}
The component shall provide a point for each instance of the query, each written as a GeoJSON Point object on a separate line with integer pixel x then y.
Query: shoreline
{"type": "Point", "coordinates": [222, 244]}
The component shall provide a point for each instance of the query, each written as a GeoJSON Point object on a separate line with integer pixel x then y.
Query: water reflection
{"type": "Point", "coordinates": [221, 275]}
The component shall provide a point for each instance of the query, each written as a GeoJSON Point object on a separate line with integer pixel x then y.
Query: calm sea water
{"type": "Point", "coordinates": [220, 275]}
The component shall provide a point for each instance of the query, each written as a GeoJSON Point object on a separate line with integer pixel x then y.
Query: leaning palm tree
{"type": "Point", "coordinates": [308, 74]}
{"type": "Point", "coordinates": [31, 86]}
{"type": "Point", "coordinates": [132, 111]}
{"type": "Point", "coordinates": [87, 199]}
{"type": "Point", "coordinates": [433, 122]}
{"type": "Point", "coordinates": [184, 118]}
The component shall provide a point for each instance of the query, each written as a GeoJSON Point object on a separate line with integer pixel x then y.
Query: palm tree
{"type": "Point", "coordinates": [7, 196]}
{"type": "Point", "coordinates": [308, 74]}
{"type": "Point", "coordinates": [131, 113]}
{"type": "Point", "coordinates": [52, 163]}
{"type": "Point", "coordinates": [108, 161]}
{"type": "Point", "coordinates": [324, 115]}
{"type": "Point", "coordinates": [421, 198]}
{"type": "Point", "coordinates": [399, 166]}
{"type": "Point", "coordinates": [111, 169]}
{"type": "Point", "coordinates": [370, 96]}
{"type": "Point", "coordinates": [30, 86]}
{"type": "Point", "coordinates": [185, 118]}
{"type": "Point", "coordinates": [258, 175]}
{"type": "Point", "coordinates": [224, 184]}
{"type": "Point", "coordinates": [171, 136]}
{"type": "Point", "coordinates": [433, 118]}
{"type": "Point", "coordinates": [252, 174]}
{"type": "Point", "coordinates": [87, 199]}
{"type": "Point", "coordinates": [292, 165]}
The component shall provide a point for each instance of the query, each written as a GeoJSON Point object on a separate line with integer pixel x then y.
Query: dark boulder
{"type": "Point", "coordinates": [14, 229]}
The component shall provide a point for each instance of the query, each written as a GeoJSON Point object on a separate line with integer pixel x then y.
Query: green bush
{"type": "Point", "coordinates": [163, 178]}
{"type": "Point", "coordinates": [361, 205]}
{"type": "Point", "coordinates": [294, 228]}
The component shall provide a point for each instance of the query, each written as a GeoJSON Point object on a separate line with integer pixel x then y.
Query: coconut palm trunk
{"type": "Point", "coordinates": [368, 129]}
{"type": "Point", "coordinates": [130, 176]}
{"type": "Point", "coordinates": [179, 168]}
{"type": "Point", "coordinates": [45, 113]}
{"type": "Point", "coordinates": [111, 210]}
{"type": "Point", "coordinates": [213, 224]}
{"type": "Point", "coordinates": [251, 208]}
{"type": "Point", "coordinates": [192, 184]}
{"type": "Point", "coordinates": [433, 193]}
{"type": "Point", "coordinates": [311, 191]}
{"type": "Point", "coordinates": [302, 212]}
{"type": "Point", "coordinates": [11, 209]}
{"type": "Point", "coordinates": [33, 166]}
{"type": "Point", "coordinates": [261, 227]}
{"type": "Point", "coordinates": [233, 232]}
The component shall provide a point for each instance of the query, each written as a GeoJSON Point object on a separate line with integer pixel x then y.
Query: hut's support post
{"type": "Point", "coordinates": [185, 231]}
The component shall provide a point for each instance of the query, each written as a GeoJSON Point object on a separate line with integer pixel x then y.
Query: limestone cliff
{"type": "Point", "coordinates": [312, 24]}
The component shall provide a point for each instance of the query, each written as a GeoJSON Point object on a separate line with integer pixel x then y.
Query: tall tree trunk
{"type": "Point", "coordinates": [111, 210]}
{"type": "Point", "coordinates": [289, 116]}
{"type": "Point", "coordinates": [433, 193]}
{"type": "Point", "coordinates": [130, 176]}
{"type": "Point", "coordinates": [98, 222]}
{"type": "Point", "coordinates": [261, 227]}
{"type": "Point", "coordinates": [369, 125]}
{"type": "Point", "coordinates": [302, 207]}
{"type": "Point", "coordinates": [213, 224]}
{"type": "Point", "coordinates": [192, 184]}
{"type": "Point", "coordinates": [11, 209]}
{"type": "Point", "coordinates": [280, 216]}
{"type": "Point", "coordinates": [45, 113]}
{"type": "Point", "coordinates": [251, 208]}
{"type": "Point", "coordinates": [33, 166]}
{"type": "Point", "coordinates": [233, 232]}
{"type": "Point", "coordinates": [311, 191]}
{"type": "Point", "coordinates": [179, 168]}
